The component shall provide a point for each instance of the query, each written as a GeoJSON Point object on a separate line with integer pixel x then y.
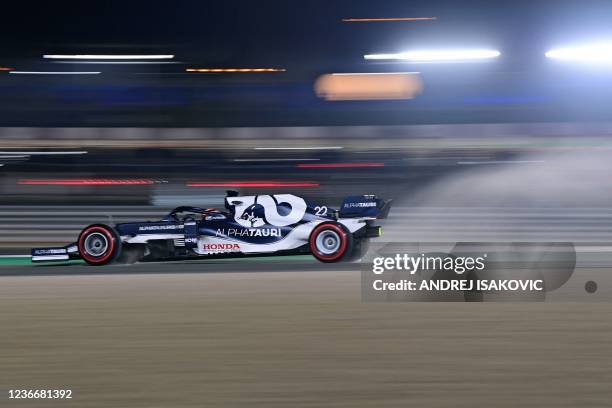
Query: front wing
{"type": "Point", "coordinates": [64, 253]}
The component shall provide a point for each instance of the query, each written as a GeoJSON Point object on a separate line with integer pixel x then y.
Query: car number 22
{"type": "Point", "coordinates": [320, 211]}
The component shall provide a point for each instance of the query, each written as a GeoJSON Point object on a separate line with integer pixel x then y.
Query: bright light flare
{"type": "Point", "coordinates": [449, 55]}
{"type": "Point", "coordinates": [588, 53]}
{"type": "Point", "coordinates": [386, 19]}
{"type": "Point", "coordinates": [86, 182]}
{"type": "Point", "coordinates": [107, 57]}
{"type": "Point", "coordinates": [368, 86]}
{"type": "Point", "coordinates": [118, 62]}
{"type": "Point", "coordinates": [55, 72]}
{"type": "Point", "coordinates": [218, 70]}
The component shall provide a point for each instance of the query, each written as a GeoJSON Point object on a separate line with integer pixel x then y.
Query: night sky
{"type": "Point", "coordinates": [290, 31]}
{"type": "Point", "coordinates": [307, 38]}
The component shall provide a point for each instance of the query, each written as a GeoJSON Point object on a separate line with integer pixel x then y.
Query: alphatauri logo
{"type": "Point", "coordinates": [255, 215]}
{"type": "Point", "coordinates": [278, 210]}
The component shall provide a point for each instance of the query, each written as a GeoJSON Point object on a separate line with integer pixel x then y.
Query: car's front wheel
{"type": "Point", "coordinates": [99, 244]}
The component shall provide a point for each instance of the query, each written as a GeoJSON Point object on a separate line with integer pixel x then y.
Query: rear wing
{"type": "Point", "coordinates": [366, 206]}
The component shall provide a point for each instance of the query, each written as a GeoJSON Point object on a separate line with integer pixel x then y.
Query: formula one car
{"type": "Point", "coordinates": [260, 224]}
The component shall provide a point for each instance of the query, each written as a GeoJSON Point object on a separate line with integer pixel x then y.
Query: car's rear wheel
{"type": "Point", "coordinates": [99, 244]}
{"type": "Point", "coordinates": [330, 242]}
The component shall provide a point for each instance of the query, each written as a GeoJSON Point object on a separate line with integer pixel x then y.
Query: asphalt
{"type": "Point", "coordinates": [298, 263]}
{"type": "Point", "coordinates": [278, 338]}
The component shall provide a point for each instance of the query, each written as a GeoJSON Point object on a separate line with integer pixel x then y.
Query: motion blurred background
{"type": "Point", "coordinates": [465, 113]}
{"type": "Point", "coordinates": [484, 120]}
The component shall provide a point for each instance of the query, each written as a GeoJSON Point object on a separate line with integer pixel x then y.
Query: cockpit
{"type": "Point", "coordinates": [179, 214]}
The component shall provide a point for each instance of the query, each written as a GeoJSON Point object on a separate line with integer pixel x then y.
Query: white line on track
{"type": "Point", "coordinates": [55, 72]}
{"type": "Point", "coordinates": [43, 153]}
{"type": "Point", "coordinates": [500, 162]}
{"type": "Point", "coordinates": [272, 160]}
{"type": "Point", "coordinates": [301, 148]}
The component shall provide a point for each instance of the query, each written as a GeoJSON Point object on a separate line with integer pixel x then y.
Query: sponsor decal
{"type": "Point", "coordinates": [50, 251]}
{"type": "Point", "coordinates": [360, 205]}
{"type": "Point", "coordinates": [251, 218]}
{"type": "Point", "coordinates": [221, 247]}
{"type": "Point", "coordinates": [248, 232]}
{"type": "Point", "coordinates": [160, 227]}
{"type": "Point", "coordinates": [278, 210]}
{"type": "Point", "coordinates": [215, 217]}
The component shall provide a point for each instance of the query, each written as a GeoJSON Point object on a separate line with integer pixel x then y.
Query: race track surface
{"type": "Point", "coordinates": [299, 263]}
{"type": "Point", "coordinates": [128, 336]}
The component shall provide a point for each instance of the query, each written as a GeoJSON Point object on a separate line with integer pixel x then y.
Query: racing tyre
{"type": "Point", "coordinates": [99, 244]}
{"type": "Point", "coordinates": [330, 242]}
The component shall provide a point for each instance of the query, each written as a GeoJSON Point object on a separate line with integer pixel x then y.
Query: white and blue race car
{"type": "Point", "coordinates": [251, 225]}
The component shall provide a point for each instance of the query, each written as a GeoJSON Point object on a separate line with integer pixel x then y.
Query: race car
{"type": "Point", "coordinates": [279, 224]}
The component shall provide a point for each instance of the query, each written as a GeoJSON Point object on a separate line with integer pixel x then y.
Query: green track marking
{"type": "Point", "coordinates": [25, 260]}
